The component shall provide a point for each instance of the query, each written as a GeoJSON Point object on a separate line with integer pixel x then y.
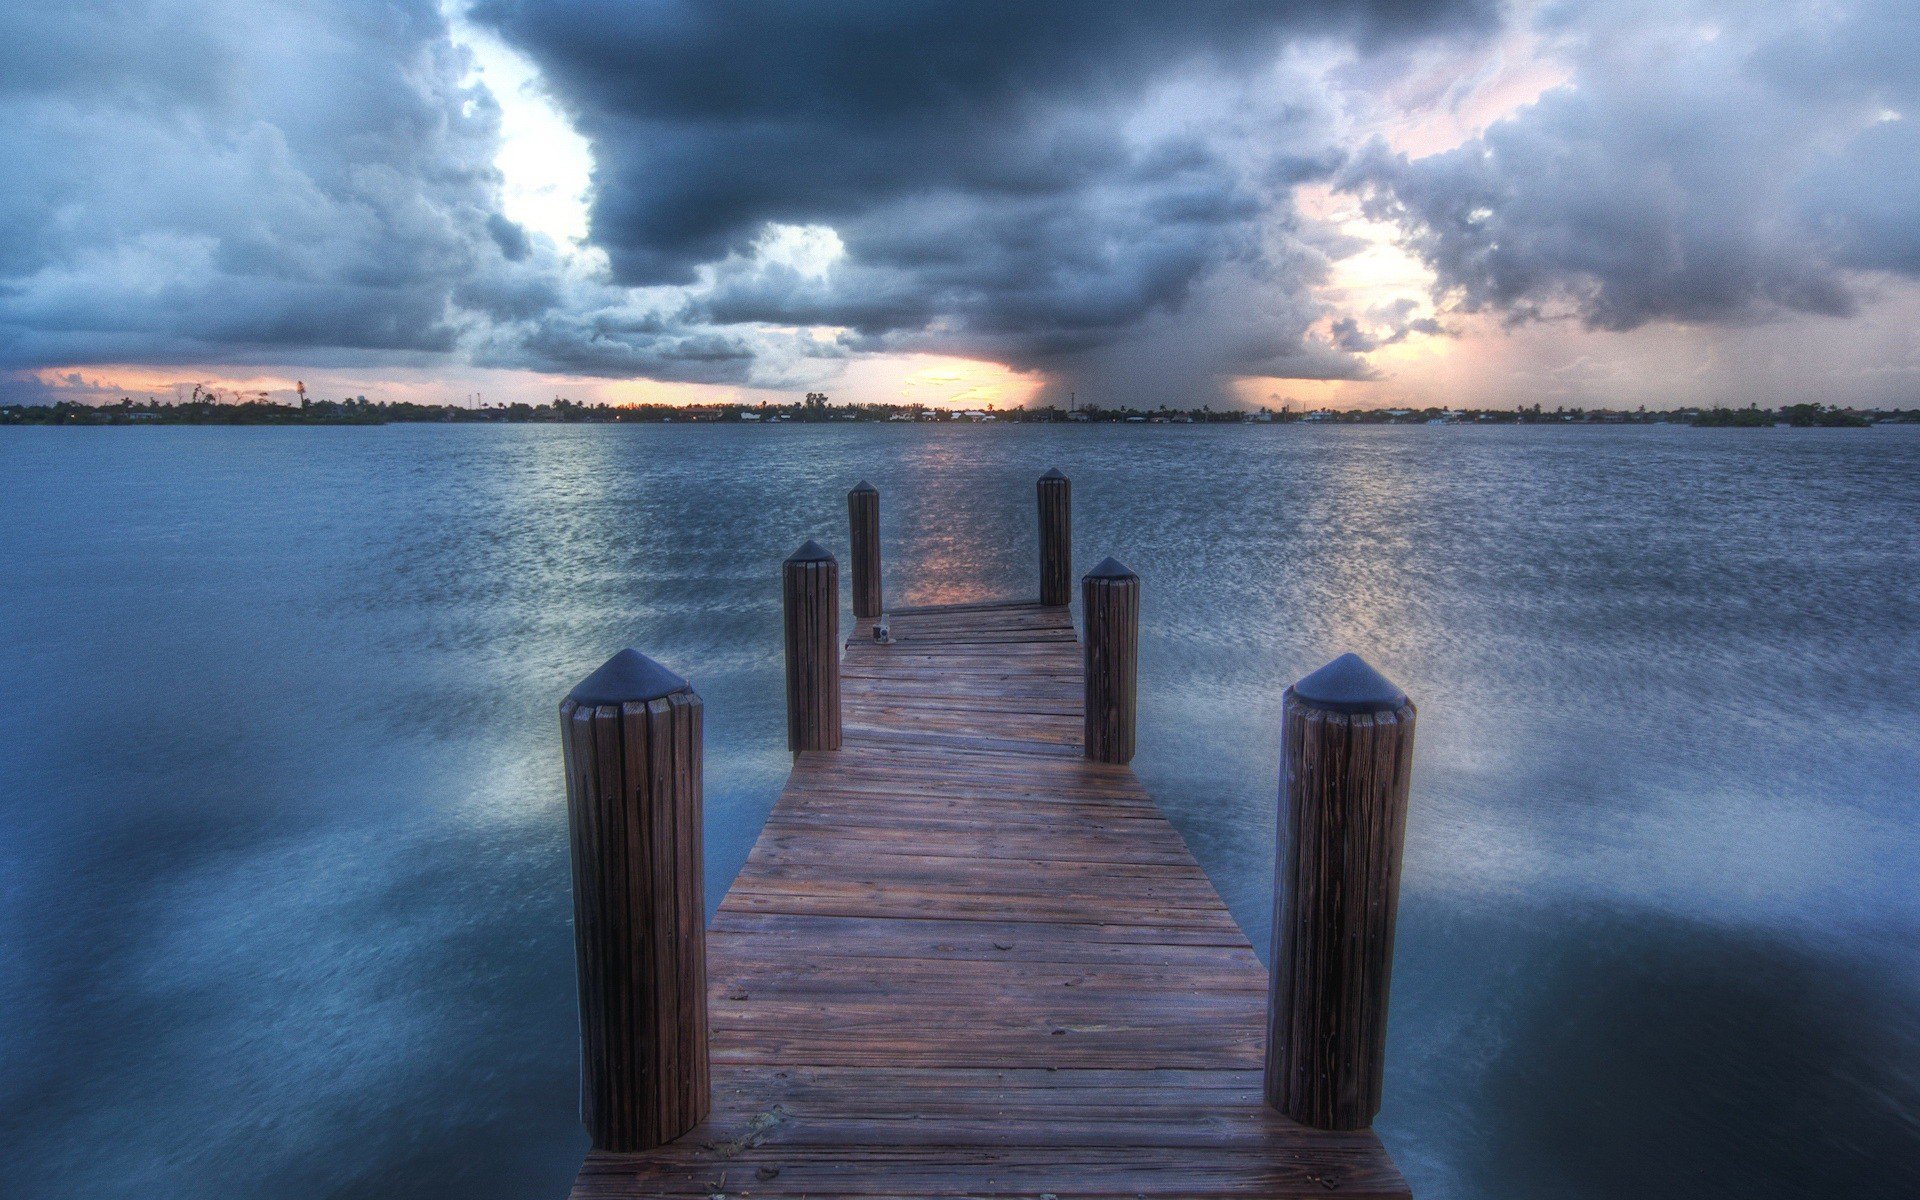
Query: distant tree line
{"type": "Point", "coordinates": [1801, 416]}
{"type": "Point", "coordinates": [816, 407]}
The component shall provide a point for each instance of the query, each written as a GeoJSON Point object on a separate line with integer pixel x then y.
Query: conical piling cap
{"type": "Point", "coordinates": [864, 486]}
{"type": "Point", "coordinates": [1054, 473]}
{"type": "Point", "coordinates": [628, 676]}
{"type": "Point", "coordinates": [811, 552]}
{"type": "Point", "coordinates": [1349, 685]}
{"type": "Point", "coordinates": [1111, 568]}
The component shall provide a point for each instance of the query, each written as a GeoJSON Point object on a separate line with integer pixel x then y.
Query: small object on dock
{"type": "Point", "coordinates": [810, 600]}
{"type": "Point", "coordinates": [1110, 608]}
{"type": "Point", "coordinates": [1346, 768]}
{"type": "Point", "coordinates": [863, 519]}
{"type": "Point", "coordinates": [631, 735]}
{"type": "Point", "coordinates": [881, 633]}
{"type": "Point", "coordinates": [1056, 538]}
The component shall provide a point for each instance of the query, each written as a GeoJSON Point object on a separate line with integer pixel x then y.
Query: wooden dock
{"type": "Point", "coordinates": [964, 960]}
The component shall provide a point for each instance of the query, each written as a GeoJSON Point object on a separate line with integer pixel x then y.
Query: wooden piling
{"type": "Point", "coordinates": [810, 596]}
{"type": "Point", "coordinates": [1056, 538]}
{"type": "Point", "coordinates": [1110, 607]}
{"type": "Point", "coordinates": [1346, 766]}
{"type": "Point", "coordinates": [863, 516]}
{"type": "Point", "coordinates": [631, 735]}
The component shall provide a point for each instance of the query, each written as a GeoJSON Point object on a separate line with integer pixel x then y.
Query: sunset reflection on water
{"type": "Point", "coordinates": [955, 532]}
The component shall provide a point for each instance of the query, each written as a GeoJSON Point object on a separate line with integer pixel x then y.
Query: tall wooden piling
{"type": "Point", "coordinates": [863, 516]}
{"type": "Point", "coordinates": [810, 596]}
{"type": "Point", "coordinates": [1346, 765]}
{"type": "Point", "coordinates": [1110, 606]}
{"type": "Point", "coordinates": [1056, 538]}
{"type": "Point", "coordinates": [631, 735]}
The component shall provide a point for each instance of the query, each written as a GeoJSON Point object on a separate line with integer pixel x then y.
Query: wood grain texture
{"type": "Point", "coordinates": [633, 802]}
{"type": "Point", "coordinates": [1111, 610]}
{"type": "Point", "coordinates": [1343, 816]}
{"type": "Point", "coordinates": [963, 960]}
{"type": "Point", "coordinates": [1056, 540]}
{"type": "Point", "coordinates": [863, 521]}
{"type": "Point", "coordinates": [810, 605]}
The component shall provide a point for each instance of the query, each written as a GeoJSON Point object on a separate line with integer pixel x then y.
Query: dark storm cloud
{"type": "Point", "coordinates": [711, 118]}
{"type": "Point", "coordinates": [1101, 191]}
{"type": "Point", "coordinates": [1029, 182]}
{"type": "Point", "coordinates": [1039, 182]}
{"type": "Point", "coordinates": [1705, 163]}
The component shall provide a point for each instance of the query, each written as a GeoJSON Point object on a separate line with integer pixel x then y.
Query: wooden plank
{"type": "Point", "coordinates": [969, 606]}
{"type": "Point", "coordinates": [963, 960]}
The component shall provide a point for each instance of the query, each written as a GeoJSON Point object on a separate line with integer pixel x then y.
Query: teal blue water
{"type": "Point", "coordinates": [283, 877]}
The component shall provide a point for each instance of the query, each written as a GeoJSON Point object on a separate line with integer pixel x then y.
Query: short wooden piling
{"type": "Point", "coordinates": [863, 515]}
{"type": "Point", "coordinates": [1056, 538]}
{"type": "Point", "coordinates": [810, 596]}
{"type": "Point", "coordinates": [1110, 606]}
{"type": "Point", "coordinates": [1346, 767]}
{"type": "Point", "coordinates": [631, 734]}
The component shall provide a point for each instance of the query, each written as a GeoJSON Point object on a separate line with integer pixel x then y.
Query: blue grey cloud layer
{"type": "Point", "coordinates": [1102, 191]}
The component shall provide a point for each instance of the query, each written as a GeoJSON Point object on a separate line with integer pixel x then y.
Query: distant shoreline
{"type": "Point", "coordinates": [813, 411]}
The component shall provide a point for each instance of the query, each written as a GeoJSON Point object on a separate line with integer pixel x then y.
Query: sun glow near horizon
{"type": "Point", "coordinates": [932, 380]}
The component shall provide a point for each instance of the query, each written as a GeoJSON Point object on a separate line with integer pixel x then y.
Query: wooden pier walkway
{"type": "Point", "coordinates": [964, 960]}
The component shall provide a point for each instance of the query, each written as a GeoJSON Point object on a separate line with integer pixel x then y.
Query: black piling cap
{"type": "Point", "coordinates": [627, 676]}
{"type": "Point", "coordinates": [1054, 473]}
{"type": "Point", "coordinates": [864, 486]}
{"type": "Point", "coordinates": [1349, 685]}
{"type": "Point", "coordinates": [1111, 568]}
{"type": "Point", "coordinates": [811, 552]}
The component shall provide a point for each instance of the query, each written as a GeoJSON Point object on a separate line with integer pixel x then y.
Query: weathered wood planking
{"type": "Point", "coordinates": [964, 961]}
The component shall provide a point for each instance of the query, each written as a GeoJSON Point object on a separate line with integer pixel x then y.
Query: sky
{"type": "Point", "coordinates": [1345, 202]}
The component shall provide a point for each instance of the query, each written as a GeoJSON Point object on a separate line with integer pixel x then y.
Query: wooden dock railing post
{"type": "Point", "coordinates": [1056, 538]}
{"type": "Point", "coordinates": [1346, 765]}
{"type": "Point", "coordinates": [631, 736]}
{"type": "Point", "coordinates": [810, 595]}
{"type": "Point", "coordinates": [1110, 606]}
{"type": "Point", "coordinates": [863, 515]}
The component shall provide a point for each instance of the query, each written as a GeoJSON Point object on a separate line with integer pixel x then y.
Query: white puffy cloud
{"type": "Point", "coordinates": [1705, 162]}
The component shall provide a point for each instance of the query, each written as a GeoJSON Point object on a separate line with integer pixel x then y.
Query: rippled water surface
{"type": "Point", "coordinates": [283, 879]}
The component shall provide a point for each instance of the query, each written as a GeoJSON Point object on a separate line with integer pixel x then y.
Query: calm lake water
{"type": "Point", "coordinates": [283, 875]}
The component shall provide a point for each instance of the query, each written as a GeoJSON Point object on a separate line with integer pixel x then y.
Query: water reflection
{"type": "Point", "coordinates": [1649, 1055]}
{"type": "Point", "coordinates": [1359, 575]}
{"type": "Point", "coordinates": [952, 529]}
{"type": "Point", "coordinates": [286, 904]}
